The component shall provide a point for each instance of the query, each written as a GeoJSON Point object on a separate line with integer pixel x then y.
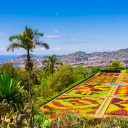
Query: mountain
{"type": "Point", "coordinates": [25, 56]}
{"type": "Point", "coordinates": [102, 59]}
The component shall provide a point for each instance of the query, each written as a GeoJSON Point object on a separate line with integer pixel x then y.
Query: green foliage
{"type": "Point", "coordinates": [81, 71]}
{"type": "Point", "coordinates": [95, 70]}
{"type": "Point", "coordinates": [111, 70]}
{"type": "Point", "coordinates": [9, 118]}
{"type": "Point", "coordinates": [68, 119]}
{"type": "Point", "coordinates": [62, 79]}
{"type": "Point", "coordinates": [51, 62]}
{"type": "Point", "coordinates": [41, 120]}
{"type": "Point", "coordinates": [90, 122]}
{"type": "Point", "coordinates": [10, 89]}
{"type": "Point", "coordinates": [115, 64]}
{"type": "Point", "coordinates": [64, 90]}
{"type": "Point", "coordinates": [6, 113]}
{"type": "Point", "coordinates": [114, 122]}
{"type": "Point", "coordinates": [9, 68]}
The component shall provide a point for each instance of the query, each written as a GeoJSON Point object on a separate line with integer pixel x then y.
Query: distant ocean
{"type": "Point", "coordinates": [7, 57]}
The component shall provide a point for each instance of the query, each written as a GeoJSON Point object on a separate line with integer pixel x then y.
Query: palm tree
{"type": "Point", "coordinates": [51, 61]}
{"type": "Point", "coordinates": [28, 40]}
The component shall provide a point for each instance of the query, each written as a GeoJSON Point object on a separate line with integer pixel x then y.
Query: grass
{"type": "Point", "coordinates": [113, 90]}
{"type": "Point", "coordinates": [120, 78]}
{"type": "Point", "coordinates": [123, 71]}
{"type": "Point", "coordinates": [103, 106]}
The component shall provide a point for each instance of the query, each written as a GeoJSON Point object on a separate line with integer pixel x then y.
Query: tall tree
{"type": "Point", "coordinates": [29, 39]}
{"type": "Point", "coordinates": [51, 61]}
{"type": "Point", "coordinates": [115, 64]}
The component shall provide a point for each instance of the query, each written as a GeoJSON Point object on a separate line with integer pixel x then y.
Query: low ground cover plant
{"type": "Point", "coordinates": [114, 122]}
{"type": "Point", "coordinates": [67, 119]}
{"type": "Point", "coordinates": [122, 90]}
{"type": "Point", "coordinates": [65, 102]}
{"type": "Point", "coordinates": [85, 89]}
{"type": "Point", "coordinates": [104, 78]}
{"type": "Point", "coordinates": [118, 106]}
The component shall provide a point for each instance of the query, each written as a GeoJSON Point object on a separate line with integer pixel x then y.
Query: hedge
{"type": "Point", "coordinates": [111, 70]}
{"type": "Point", "coordinates": [66, 89]}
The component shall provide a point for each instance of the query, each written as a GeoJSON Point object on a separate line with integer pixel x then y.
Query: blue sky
{"type": "Point", "coordinates": [68, 25]}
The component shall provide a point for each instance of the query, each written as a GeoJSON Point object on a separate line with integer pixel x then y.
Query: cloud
{"type": "Point", "coordinates": [2, 48]}
{"type": "Point", "coordinates": [4, 34]}
{"type": "Point", "coordinates": [51, 36]}
{"type": "Point", "coordinates": [76, 40]}
{"type": "Point", "coordinates": [56, 49]}
{"type": "Point", "coordinates": [56, 31]}
{"type": "Point", "coordinates": [57, 14]}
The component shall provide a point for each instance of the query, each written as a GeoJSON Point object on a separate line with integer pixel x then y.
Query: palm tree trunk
{"type": "Point", "coordinates": [52, 68]}
{"type": "Point", "coordinates": [28, 58]}
{"type": "Point", "coordinates": [29, 89]}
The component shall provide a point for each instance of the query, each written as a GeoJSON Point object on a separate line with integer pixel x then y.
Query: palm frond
{"type": "Point", "coordinates": [43, 45]}
{"type": "Point", "coordinates": [15, 45]}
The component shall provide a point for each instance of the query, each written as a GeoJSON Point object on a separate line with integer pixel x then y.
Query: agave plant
{"type": "Point", "coordinates": [10, 89]}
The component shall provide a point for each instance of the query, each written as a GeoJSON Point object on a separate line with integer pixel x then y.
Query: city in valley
{"type": "Point", "coordinates": [90, 60]}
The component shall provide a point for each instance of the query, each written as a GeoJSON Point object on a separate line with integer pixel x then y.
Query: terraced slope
{"type": "Point", "coordinates": [102, 94]}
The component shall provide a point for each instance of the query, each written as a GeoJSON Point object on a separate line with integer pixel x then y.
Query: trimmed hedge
{"type": "Point", "coordinates": [111, 70]}
{"type": "Point", "coordinates": [66, 89]}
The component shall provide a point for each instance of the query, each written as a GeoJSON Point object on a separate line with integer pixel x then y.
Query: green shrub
{"type": "Point", "coordinates": [41, 120]}
{"type": "Point", "coordinates": [111, 70]}
{"type": "Point", "coordinates": [114, 122]}
{"type": "Point", "coordinates": [69, 119]}
{"type": "Point", "coordinates": [65, 90]}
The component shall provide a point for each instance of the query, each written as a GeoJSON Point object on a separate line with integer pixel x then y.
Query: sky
{"type": "Point", "coordinates": [68, 25]}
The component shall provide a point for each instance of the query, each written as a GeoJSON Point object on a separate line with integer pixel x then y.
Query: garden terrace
{"type": "Point", "coordinates": [102, 94]}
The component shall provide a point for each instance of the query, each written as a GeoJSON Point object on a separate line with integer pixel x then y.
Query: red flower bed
{"type": "Point", "coordinates": [111, 74]}
{"type": "Point", "coordinates": [116, 74]}
{"type": "Point", "coordinates": [100, 74]}
{"type": "Point", "coordinates": [105, 74]}
{"type": "Point", "coordinates": [122, 90]}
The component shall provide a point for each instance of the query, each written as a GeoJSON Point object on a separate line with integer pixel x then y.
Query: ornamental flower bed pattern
{"type": "Point", "coordinates": [122, 90]}
{"type": "Point", "coordinates": [91, 90]}
{"type": "Point", "coordinates": [124, 79]}
{"type": "Point", "coordinates": [103, 78]}
{"type": "Point", "coordinates": [65, 102]}
{"type": "Point", "coordinates": [118, 106]}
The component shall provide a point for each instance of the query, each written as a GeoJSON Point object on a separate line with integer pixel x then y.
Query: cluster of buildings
{"type": "Point", "coordinates": [102, 59]}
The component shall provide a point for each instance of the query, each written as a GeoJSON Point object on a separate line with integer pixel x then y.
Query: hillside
{"type": "Point", "coordinates": [95, 59]}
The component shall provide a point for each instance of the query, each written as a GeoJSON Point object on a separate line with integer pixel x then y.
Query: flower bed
{"type": "Point", "coordinates": [122, 90]}
{"type": "Point", "coordinates": [109, 74]}
{"type": "Point", "coordinates": [118, 106]}
{"type": "Point", "coordinates": [91, 90]}
{"type": "Point", "coordinates": [103, 78]}
{"type": "Point", "coordinates": [65, 102]}
{"type": "Point", "coordinates": [124, 79]}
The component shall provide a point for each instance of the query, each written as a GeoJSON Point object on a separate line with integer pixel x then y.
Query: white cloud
{"type": "Point", "coordinates": [51, 36]}
{"type": "Point", "coordinates": [37, 49]}
{"type": "Point", "coordinates": [56, 49]}
{"type": "Point", "coordinates": [57, 14]}
{"type": "Point", "coordinates": [4, 34]}
{"type": "Point", "coordinates": [2, 48]}
{"type": "Point", "coordinates": [55, 30]}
